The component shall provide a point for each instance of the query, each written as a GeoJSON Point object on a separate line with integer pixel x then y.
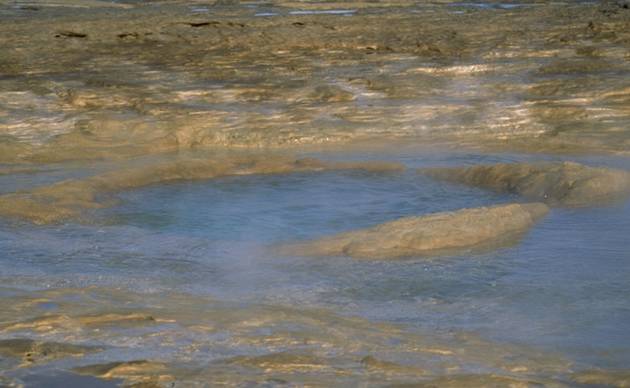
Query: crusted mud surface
{"type": "Point", "coordinates": [560, 183]}
{"type": "Point", "coordinates": [127, 79]}
{"type": "Point", "coordinates": [428, 235]}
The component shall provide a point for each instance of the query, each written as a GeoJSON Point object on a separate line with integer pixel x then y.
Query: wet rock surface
{"type": "Point", "coordinates": [292, 346]}
{"type": "Point", "coordinates": [30, 351]}
{"type": "Point", "coordinates": [428, 235]}
{"type": "Point", "coordinates": [140, 373]}
{"type": "Point", "coordinates": [603, 378]}
{"type": "Point", "coordinates": [299, 346]}
{"type": "Point", "coordinates": [560, 183]}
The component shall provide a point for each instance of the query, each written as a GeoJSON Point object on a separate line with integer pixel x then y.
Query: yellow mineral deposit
{"type": "Point", "coordinates": [428, 235]}
{"type": "Point", "coordinates": [138, 372]}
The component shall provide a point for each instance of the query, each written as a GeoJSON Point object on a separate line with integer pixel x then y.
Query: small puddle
{"type": "Point", "coordinates": [345, 12]}
{"type": "Point", "coordinates": [489, 5]}
{"type": "Point", "coordinates": [266, 14]}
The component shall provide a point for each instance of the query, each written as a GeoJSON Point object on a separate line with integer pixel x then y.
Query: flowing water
{"type": "Point", "coordinates": [139, 246]}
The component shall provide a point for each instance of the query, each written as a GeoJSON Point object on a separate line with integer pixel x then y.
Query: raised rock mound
{"type": "Point", "coordinates": [555, 183]}
{"type": "Point", "coordinates": [427, 235]}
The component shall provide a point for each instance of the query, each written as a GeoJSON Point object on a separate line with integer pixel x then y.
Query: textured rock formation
{"type": "Point", "coordinates": [31, 351]}
{"type": "Point", "coordinates": [427, 235]}
{"type": "Point", "coordinates": [569, 184]}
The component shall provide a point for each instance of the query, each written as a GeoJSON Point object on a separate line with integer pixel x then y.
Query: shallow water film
{"type": "Point", "coordinates": [301, 193]}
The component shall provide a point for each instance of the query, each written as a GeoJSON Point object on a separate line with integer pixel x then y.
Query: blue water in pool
{"type": "Point", "coordinates": [563, 287]}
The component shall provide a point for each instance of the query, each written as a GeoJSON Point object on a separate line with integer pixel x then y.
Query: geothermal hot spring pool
{"type": "Point", "coordinates": [183, 277]}
{"type": "Point", "coordinates": [314, 193]}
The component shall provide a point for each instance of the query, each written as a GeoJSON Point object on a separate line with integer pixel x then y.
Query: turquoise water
{"type": "Point", "coordinates": [564, 287]}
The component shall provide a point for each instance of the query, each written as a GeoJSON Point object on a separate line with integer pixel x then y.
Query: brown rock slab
{"type": "Point", "coordinates": [432, 234]}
